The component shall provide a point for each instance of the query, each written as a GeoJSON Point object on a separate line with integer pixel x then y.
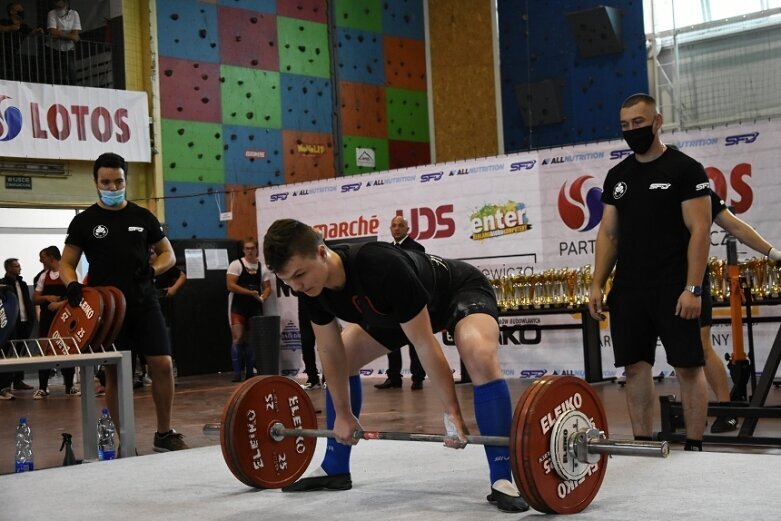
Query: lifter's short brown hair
{"type": "Point", "coordinates": [287, 238]}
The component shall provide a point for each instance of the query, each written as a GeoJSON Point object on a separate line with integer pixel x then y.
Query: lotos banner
{"type": "Point", "coordinates": [62, 122]}
{"type": "Point", "coordinates": [524, 213]}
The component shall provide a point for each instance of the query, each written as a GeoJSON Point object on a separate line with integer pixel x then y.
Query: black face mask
{"type": "Point", "coordinates": [20, 14]}
{"type": "Point", "coordinates": [640, 139]}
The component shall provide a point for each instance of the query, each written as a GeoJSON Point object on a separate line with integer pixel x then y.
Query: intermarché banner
{"type": "Point", "coordinates": [62, 122]}
{"type": "Point", "coordinates": [524, 213]}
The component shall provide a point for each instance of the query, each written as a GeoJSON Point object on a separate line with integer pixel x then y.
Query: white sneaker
{"type": "Point", "coordinates": [73, 391]}
{"type": "Point", "coordinates": [5, 394]}
{"type": "Point", "coordinates": [40, 394]}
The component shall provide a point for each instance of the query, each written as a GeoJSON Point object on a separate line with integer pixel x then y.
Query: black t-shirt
{"type": "Point", "coordinates": [116, 243]}
{"type": "Point", "coordinates": [12, 40]}
{"type": "Point", "coordinates": [385, 286]}
{"type": "Point", "coordinates": [717, 205]}
{"type": "Point", "coordinates": [652, 236]}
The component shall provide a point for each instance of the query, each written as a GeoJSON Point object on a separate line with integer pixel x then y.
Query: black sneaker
{"type": "Point", "coordinates": [724, 424]}
{"type": "Point", "coordinates": [389, 383]}
{"type": "Point", "coordinates": [335, 482]}
{"type": "Point", "coordinates": [507, 503]}
{"type": "Point", "coordinates": [170, 441]}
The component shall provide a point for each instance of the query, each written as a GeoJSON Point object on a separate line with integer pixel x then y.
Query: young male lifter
{"type": "Point", "coordinates": [393, 297]}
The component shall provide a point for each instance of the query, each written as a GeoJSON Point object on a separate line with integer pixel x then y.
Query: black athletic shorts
{"type": "Point", "coordinates": [144, 332]}
{"type": "Point", "coordinates": [468, 293]}
{"type": "Point", "coordinates": [640, 316]}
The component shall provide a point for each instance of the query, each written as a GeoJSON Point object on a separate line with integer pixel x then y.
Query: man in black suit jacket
{"type": "Point", "coordinates": [24, 322]}
{"type": "Point", "coordinates": [400, 232]}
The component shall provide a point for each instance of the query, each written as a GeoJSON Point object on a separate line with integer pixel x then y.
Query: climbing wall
{"type": "Point", "coordinates": [578, 92]}
{"type": "Point", "coordinates": [263, 92]}
{"type": "Point", "coordinates": [380, 62]}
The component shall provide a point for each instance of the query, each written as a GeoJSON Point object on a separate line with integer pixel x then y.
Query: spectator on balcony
{"type": "Point", "coordinates": [64, 26]}
{"type": "Point", "coordinates": [14, 32]}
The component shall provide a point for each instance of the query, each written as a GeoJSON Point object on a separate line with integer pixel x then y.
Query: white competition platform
{"type": "Point", "coordinates": [392, 481]}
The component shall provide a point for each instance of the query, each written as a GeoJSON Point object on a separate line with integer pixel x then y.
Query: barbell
{"type": "Point", "coordinates": [558, 442]}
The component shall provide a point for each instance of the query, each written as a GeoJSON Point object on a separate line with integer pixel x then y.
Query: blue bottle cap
{"type": "Point", "coordinates": [22, 420]}
{"type": "Point", "coordinates": [105, 411]}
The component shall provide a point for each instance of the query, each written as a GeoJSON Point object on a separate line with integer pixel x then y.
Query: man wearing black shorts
{"type": "Point", "coordinates": [116, 235]}
{"type": "Point", "coordinates": [391, 298]}
{"type": "Point", "coordinates": [655, 230]}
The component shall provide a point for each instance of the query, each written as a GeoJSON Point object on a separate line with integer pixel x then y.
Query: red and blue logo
{"type": "Point", "coordinates": [580, 211]}
{"type": "Point", "coordinates": [10, 120]}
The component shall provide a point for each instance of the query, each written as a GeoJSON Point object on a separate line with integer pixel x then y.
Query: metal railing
{"type": "Point", "coordinates": [36, 58]}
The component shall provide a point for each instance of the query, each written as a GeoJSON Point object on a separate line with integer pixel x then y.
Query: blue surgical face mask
{"type": "Point", "coordinates": [110, 198]}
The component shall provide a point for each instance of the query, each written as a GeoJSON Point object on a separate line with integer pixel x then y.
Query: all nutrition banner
{"type": "Point", "coordinates": [525, 213]}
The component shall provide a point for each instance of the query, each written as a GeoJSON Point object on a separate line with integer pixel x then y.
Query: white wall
{"type": "Point", "coordinates": [24, 232]}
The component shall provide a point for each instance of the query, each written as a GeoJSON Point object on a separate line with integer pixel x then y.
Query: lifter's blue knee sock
{"type": "Point", "coordinates": [493, 412]}
{"type": "Point", "coordinates": [337, 456]}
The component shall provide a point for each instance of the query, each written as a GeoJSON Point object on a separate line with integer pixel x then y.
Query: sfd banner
{"type": "Point", "coordinates": [523, 214]}
{"type": "Point", "coordinates": [62, 122]}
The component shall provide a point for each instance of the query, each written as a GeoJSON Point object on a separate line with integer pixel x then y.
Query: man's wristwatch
{"type": "Point", "coordinates": [696, 290]}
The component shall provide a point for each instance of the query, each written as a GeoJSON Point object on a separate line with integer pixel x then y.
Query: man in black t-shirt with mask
{"type": "Point", "coordinates": [116, 235]}
{"type": "Point", "coordinates": [655, 229]}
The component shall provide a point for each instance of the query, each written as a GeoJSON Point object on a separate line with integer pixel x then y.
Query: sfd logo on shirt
{"type": "Point", "coordinates": [99, 231]}
{"type": "Point", "coordinates": [135, 229]}
{"type": "Point", "coordinates": [619, 190]}
{"type": "Point", "coordinates": [659, 186]}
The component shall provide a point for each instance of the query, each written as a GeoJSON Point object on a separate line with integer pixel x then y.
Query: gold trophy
{"type": "Point", "coordinates": [774, 279]}
{"type": "Point", "coordinates": [571, 279]}
{"type": "Point", "coordinates": [508, 291]}
{"type": "Point", "coordinates": [716, 274]}
{"type": "Point", "coordinates": [496, 284]}
{"type": "Point", "coordinates": [538, 291]}
{"type": "Point", "coordinates": [586, 277]}
{"type": "Point", "coordinates": [527, 291]}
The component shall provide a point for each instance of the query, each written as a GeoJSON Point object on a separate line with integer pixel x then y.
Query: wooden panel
{"type": "Point", "coordinates": [463, 79]}
{"type": "Point", "coordinates": [245, 219]}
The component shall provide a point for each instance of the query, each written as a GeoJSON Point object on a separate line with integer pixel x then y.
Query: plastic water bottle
{"type": "Point", "coordinates": [24, 446]}
{"type": "Point", "coordinates": [106, 448]}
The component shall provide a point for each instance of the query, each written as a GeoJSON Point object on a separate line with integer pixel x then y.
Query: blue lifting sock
{"type": "Point", "coordinates": [337, 456]}
{"type": "Point", "coordinates": [493, 412]}
{"type": "Point", "coordinates": [250, 360]}
{"type": "Point", "coordinates": [236, 361]}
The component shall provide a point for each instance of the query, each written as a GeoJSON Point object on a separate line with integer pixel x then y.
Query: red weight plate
{"type": "Point", "coordinates": [554, 396]}
{"type": "Point", "coordinates": [225, 438]}
{"type": "Point", "coordinates": [119, 315]}
{"type": "Point", "coordinates": [80, 322]}
{"type": "Point", "coordinates": [519, 471]}
{"type": "Point", "coordinates": [106, 319]}
{"type": "Point", "coordinates": [247, 447]}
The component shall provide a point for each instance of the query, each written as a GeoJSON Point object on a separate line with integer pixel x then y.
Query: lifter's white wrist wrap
{"type": "Point", "coordinates": [450, 427]}
{"type": "Point", "coordinates": [774, 255]}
